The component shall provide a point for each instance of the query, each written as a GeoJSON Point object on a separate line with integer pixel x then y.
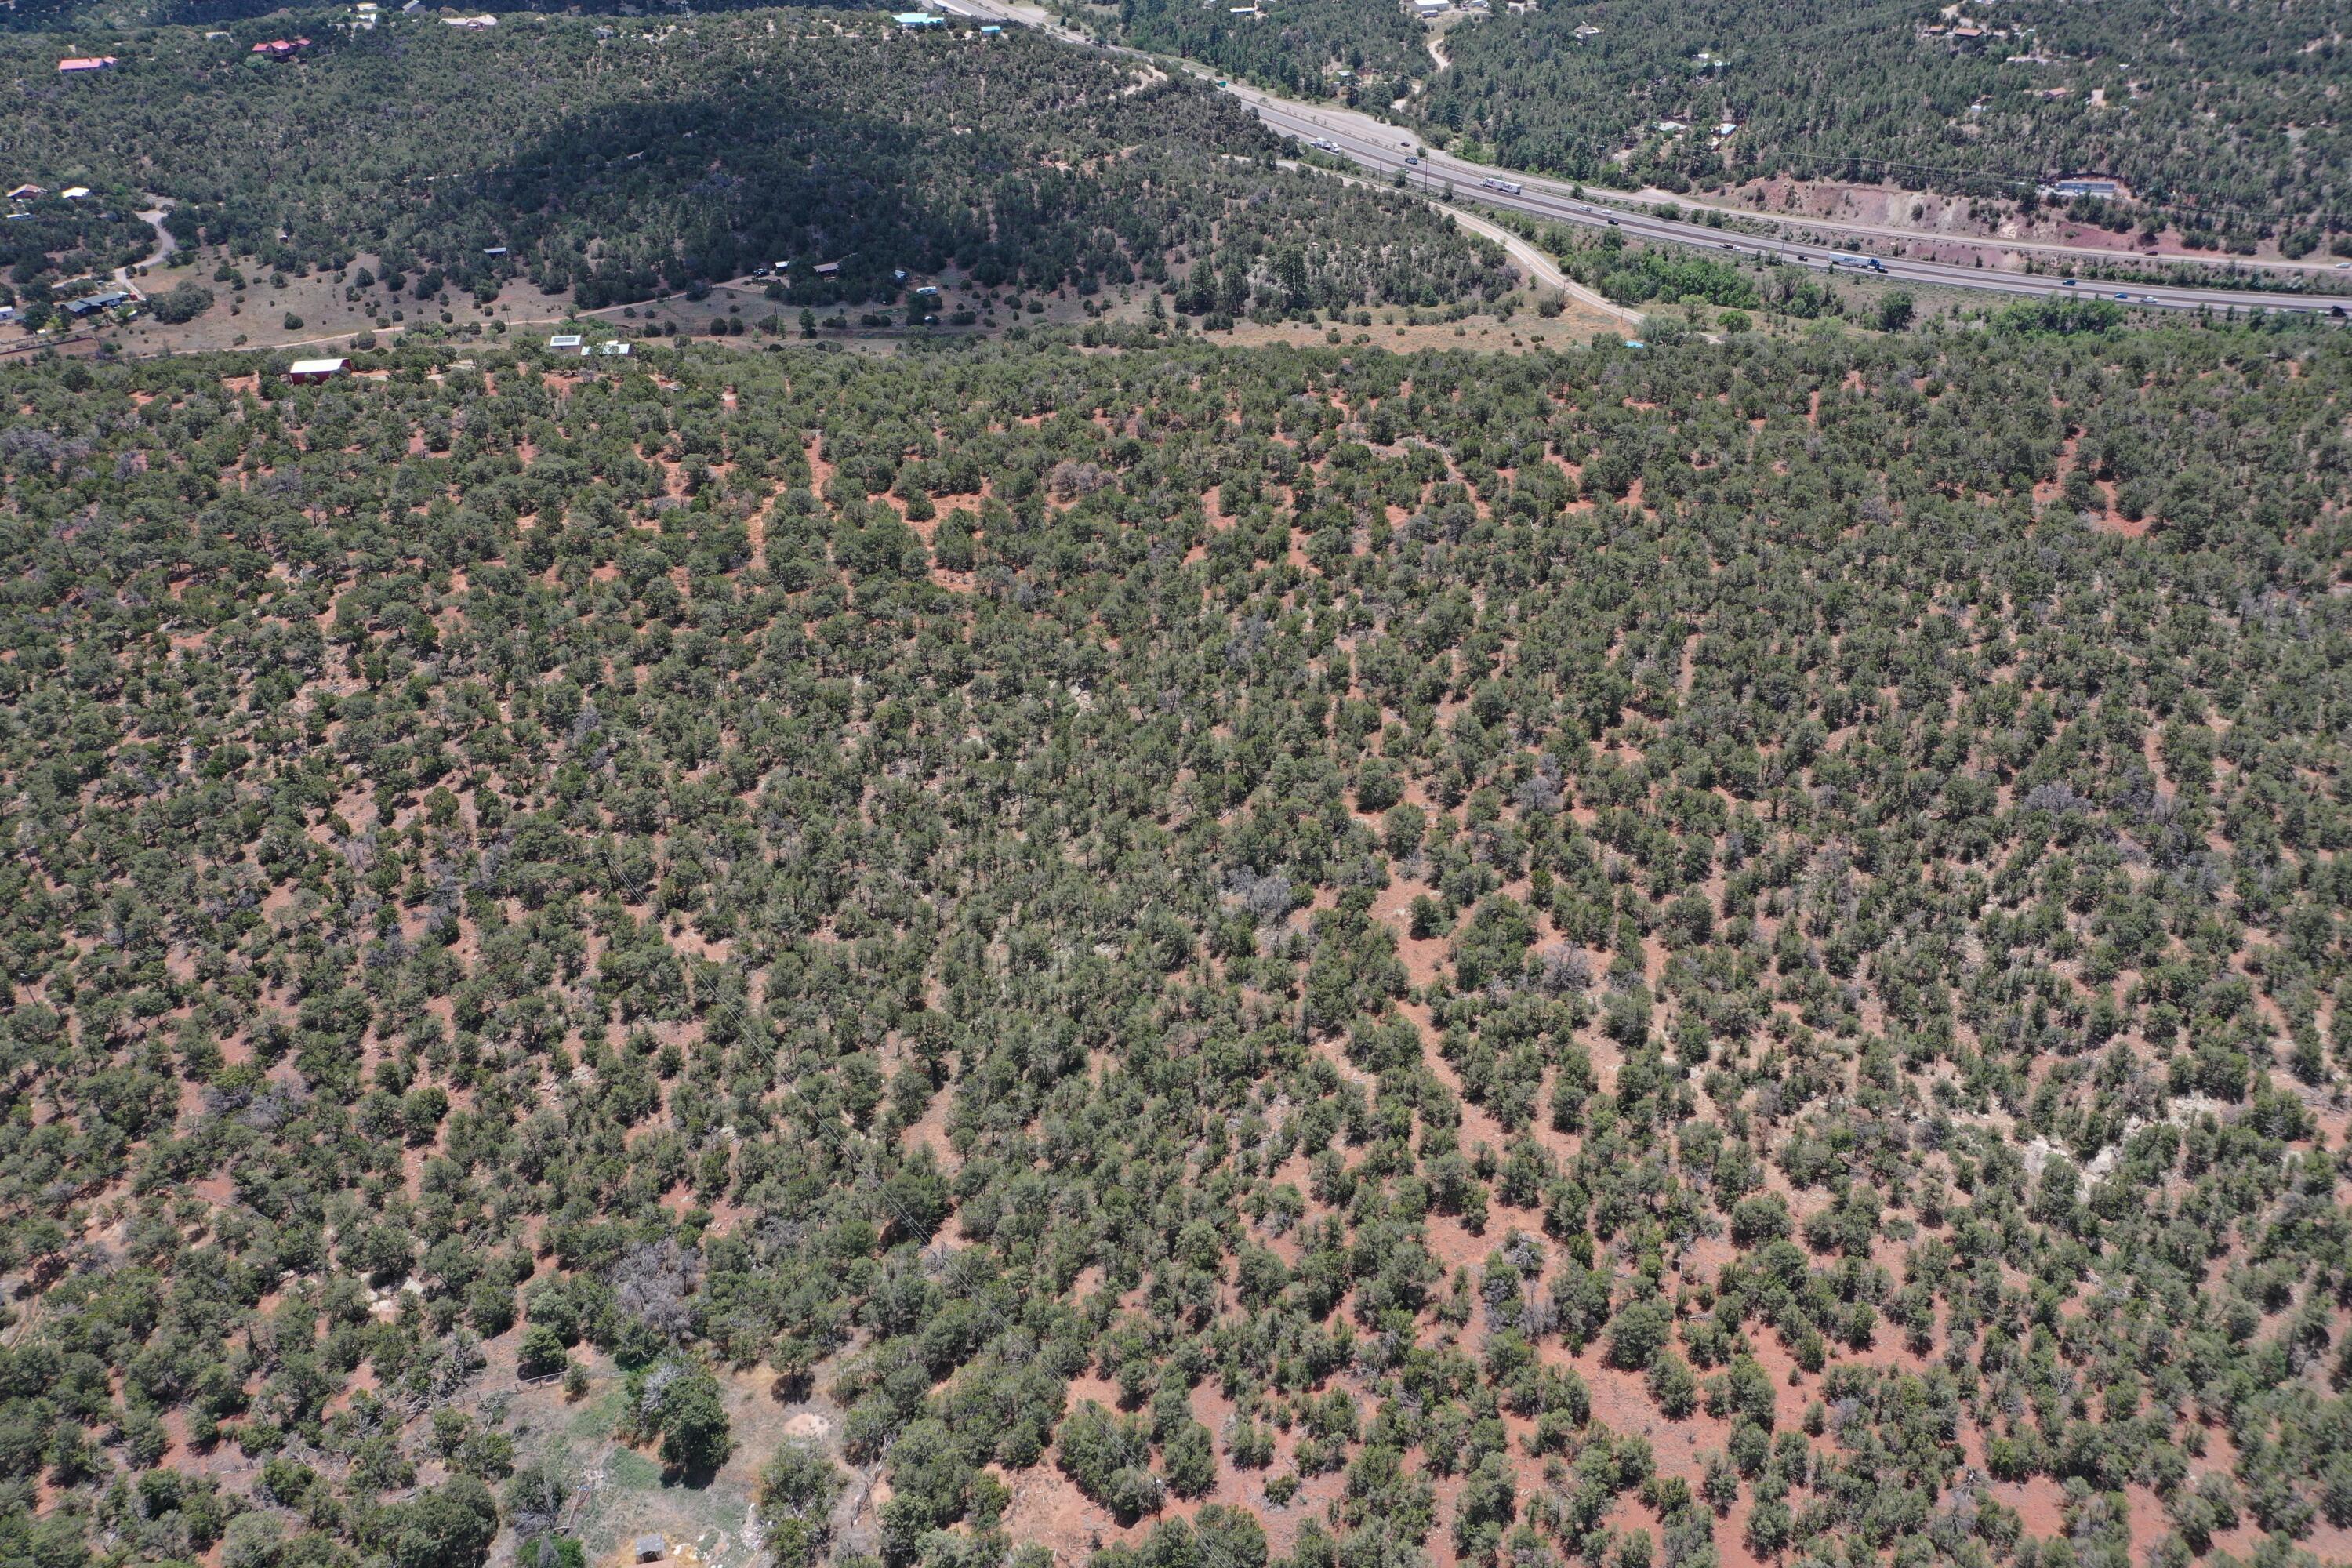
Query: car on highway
{"type": "Point", "coordinates": [1410, 161]}
{"type": "Point", "coordinates": [2123, 296]}
{"type": "Point", "coordinates": [2069, 283]}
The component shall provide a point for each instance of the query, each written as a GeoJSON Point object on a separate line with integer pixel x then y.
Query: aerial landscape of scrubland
{"type": "Point", "coordinates": [1153, 786]}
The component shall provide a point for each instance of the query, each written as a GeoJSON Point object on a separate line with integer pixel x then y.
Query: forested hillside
{"type": "Point", "coordinates": [1179, 957]}
{"type": "Point", "coordinates": [2225, 117]}
{"type": "Point", "coordinates": [54, 15]}
{"type": "Point", "coordinates": [670, 153]}
{"type": "Point", "coordinates": [1299, 45]}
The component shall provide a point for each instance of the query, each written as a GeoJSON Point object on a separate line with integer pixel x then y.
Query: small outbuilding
{"type": "Point", "coordinates": [304, 371]}
{"type": "Point", "coordinates": [651, 1549]}
{"type": "Point", "coordinates": [76, 65]}
{"type": "Point", "coordinates": [564, 340]}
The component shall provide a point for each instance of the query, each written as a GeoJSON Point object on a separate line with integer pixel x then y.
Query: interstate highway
{"type": "Point", "coordinates": [1382, 148]}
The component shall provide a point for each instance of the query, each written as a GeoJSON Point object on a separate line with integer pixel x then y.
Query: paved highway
{"type": "Point", "coordinates": [1539, 265]}
{"type": "Point", "coordinates": [1383, 148]}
